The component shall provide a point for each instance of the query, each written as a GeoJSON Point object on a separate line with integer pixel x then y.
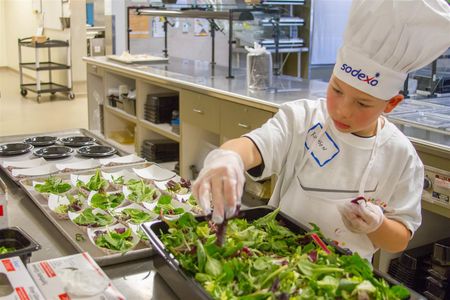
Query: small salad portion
{"type": "Point", "coordinates": [169, 208]}
{"type": "Point", "coordinates": [62, 204]}
{"type": "Point", "coordinates": [106, 201]}
{"type": "Point", "coordinates": [91, 217]}
{"type": "Point", "coordinates": [134, 214]}
{"type": "Point", "coordinates": [116, 238]}
{"type": "Point", "coordinates": [95, 183]}
{"type": "Point", "coordinates": [137, 191]}
{"type": "Point", "coordinates": [52, 185]}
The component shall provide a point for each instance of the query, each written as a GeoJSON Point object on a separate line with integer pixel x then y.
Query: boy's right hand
{"type": "Point", "coordinates": [220, 182]}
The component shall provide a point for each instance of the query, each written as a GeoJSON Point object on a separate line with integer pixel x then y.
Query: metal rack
{"type": "Point", "coordinates": [40, 87]}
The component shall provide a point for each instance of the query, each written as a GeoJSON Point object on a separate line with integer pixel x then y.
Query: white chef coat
{"type": "Point", "coordinates": [396, 177]}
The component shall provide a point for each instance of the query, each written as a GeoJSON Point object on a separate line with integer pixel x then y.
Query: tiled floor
{"type": "Point", "coordinates": [19, 115]}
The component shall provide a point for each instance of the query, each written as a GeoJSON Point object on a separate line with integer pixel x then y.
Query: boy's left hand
{"type": "Point", "coordinates": [361, 216]}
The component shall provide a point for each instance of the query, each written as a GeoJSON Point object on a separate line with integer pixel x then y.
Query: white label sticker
{"type": "Point", "coordinates": [322, 147]}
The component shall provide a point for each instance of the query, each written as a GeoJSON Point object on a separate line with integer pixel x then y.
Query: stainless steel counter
{"type": "Point", "coordinates": [135, 280]}
{"type": "Point", "coordinates": [201, 75]}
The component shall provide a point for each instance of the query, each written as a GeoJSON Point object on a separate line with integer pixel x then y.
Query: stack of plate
{"type": "Point", "coordinates": [411, 268]}
{"type": "Point", "coordinates": [159, 107]}
{"type": "Point", "coordinates": [438, 283]}
{"type": "Point", "coordinates": [160, 150]}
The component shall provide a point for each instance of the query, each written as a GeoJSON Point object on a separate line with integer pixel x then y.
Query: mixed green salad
{"type": "Point", "coordinates": [107, 201]}
{"type": "Point", "coordinates": [180, 188]}
{"type": "Point", "coordinates": [88, 218]}
{"type": "Point", "coordinates": [164, 206]}
{"type": "Point", "coordinates": [118, 239]}
{"type": "Point", "coordinates": [134, 215]}
{"type": "Point", "coordinates": [141, 192]}
{"type": "Point", "coordinates": [53, 185]}
{"type": "Point", "coordinates": [96, 183]}
{"type": "Point", "coordinates": [75, 204]}
{"type": "Point", "coordinates": [265, 260]}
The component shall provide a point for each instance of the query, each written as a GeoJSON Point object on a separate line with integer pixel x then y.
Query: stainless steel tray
{"type": "Point", "coordinates": [70, 230]}
{"type": "Point", "coordinates": [30, 155]}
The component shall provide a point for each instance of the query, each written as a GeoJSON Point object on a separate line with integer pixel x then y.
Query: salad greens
{"type": "Point", "coordinates": [119, 239]}
{"type": "Point", "coordinates": [4, 250]}
{"type": "Point", "coordinates": [134, 215]}
{"type": "Point", "coordinates": [87, 217]}
{"type": "Point", "coordinates": [96, 183]}
{"type": "Point", "coordinates": [265, 260]}
{"type": "Point", "coordinates": [180, 188]}
{"type": "Point", "coordinates": [141, 192]}
{"type": "Point", "coordinates": [75, 204]}
{"type": "Point", "coordinates": [165, 207]}
{"type": "Point", "coordinates": [107, 201]}
{"type": "Point", "coordinates": [53, 185]}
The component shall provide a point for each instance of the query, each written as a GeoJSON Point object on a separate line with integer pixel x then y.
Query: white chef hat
{"type": "Point", "coordinates": [386, 39]}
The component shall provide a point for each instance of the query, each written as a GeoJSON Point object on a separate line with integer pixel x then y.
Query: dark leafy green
{"type": "Point", "coordinates": [264, 260]}
{"type": "Point", "coordinates": [53, 185]}
{"type": "Point", "coordinates": [107, 201]}
{"type": "Point", "coordinates": [96, 183]}
{"type": "Point", "coordinates": [87, 217]}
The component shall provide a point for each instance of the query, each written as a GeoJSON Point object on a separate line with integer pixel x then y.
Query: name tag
{"type": "Point", "coordinates": [323, 149]}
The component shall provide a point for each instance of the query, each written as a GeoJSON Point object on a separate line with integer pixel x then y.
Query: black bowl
{"type": "Point", "coordinates": [96, 151]}
{"type": "Point", "coordinates": [53, 152]}
{"type": "Point", "coordinates": [39, 141]}
{"type": "Point", "coordinates": [77, 141]}
{"type": "Point", "coordinates": [14, 149]}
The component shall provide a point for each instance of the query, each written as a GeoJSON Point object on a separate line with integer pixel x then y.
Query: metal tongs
{"type": "Point", "coordinates": [221, 230]}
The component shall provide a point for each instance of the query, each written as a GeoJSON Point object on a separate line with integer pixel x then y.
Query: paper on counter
{"type": "Point", "coordinates": [23, 164]}
{"type": "Point", "coordinates": [47, 169]}
{"type": "Point", "coordinates": [127, 159]}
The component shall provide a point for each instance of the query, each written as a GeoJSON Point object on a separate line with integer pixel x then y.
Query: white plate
{"type": "Point", "coordinates": [128, 159]}
{"type": "Point", "coordinates": [23, 164]}
{"type": "Point", "coordinates": [57, 200]}
{"type": "Point", "coordinates": [36, 171]}
{"type": "Point", "coordinates": [129, 59]}
{"type": "Point", "coordinates": [155, 172]}
{"type": "Point", "coordinates": [83, 178]}
{"type": "Point", "coordinates": [127, 175]}
{"type": "Point", "coordinates": [79, 165]}
{"type": "Point", "coordinates": [91, 235]}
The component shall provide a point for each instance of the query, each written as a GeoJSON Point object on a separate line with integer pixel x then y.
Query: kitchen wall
{"type": "Point", "coordinates": [3, 58]}
{"type": "Point", "coordinates": [21, 21]}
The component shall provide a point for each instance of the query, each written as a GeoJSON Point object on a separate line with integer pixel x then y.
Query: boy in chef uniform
{"type": "Point", "coordinates": [328, 152]}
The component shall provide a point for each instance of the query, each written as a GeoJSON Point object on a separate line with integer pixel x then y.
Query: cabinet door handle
{"type": "Point", "coordinates": [199, 111]}
{"type": "Point", "coordinates": [243, 125]}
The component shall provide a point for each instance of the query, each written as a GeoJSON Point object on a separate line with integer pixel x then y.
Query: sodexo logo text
{"type": "Point", "coordinates": [357, 73]}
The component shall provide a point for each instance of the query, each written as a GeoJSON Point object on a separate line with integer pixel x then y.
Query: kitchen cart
{"type": "Point", "coordinates": [39, 87]}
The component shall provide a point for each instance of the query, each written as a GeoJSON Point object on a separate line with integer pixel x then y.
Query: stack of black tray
{"type": "Point", "coordinates": [438, 283]}
{"type": "Point", "coordinates": [159, 107]}
{"type": "Point", "coordinates": [411, 268]}
{"type": "Point", "coordinates": [160, 150]}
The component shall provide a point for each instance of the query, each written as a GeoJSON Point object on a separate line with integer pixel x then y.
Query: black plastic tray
{"type": "Point", "coordinates": [186, 287]}
{"type": "Point", "coordinates": [24, 244]}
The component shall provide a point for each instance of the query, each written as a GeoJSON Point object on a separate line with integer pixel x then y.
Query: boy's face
{"type": "Point", "coordinates": [353, 111]}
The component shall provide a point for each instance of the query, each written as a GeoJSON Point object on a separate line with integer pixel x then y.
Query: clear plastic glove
{"type": "Point", "coordinates": [220, 182]}
{"type": "Point", "coordinates": [361, 216]}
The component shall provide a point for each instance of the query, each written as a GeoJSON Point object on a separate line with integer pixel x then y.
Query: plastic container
{"type": "Point", "coordinates": [186, 287]}
{"type": "Point", "coordinates": [259, 68]}
{"type": "Point", "coordinates": [17, 238]}
{"type": "Point", "coordinates": [413, 258]}
{"type": "Point", "coordinates": [441, 252]}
